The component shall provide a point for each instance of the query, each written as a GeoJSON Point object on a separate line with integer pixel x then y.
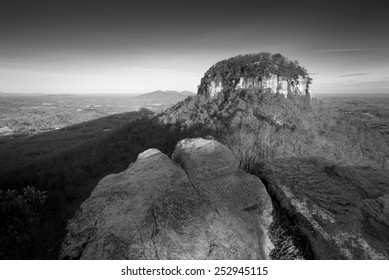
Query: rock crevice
{"type": "Point", "coordinates": [340, 210]}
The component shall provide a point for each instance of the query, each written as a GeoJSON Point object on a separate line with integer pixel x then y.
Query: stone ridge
{"type": "Point", "coordinates": [342, 210]}
{"type": "Point", "coordinates": [199, 206]}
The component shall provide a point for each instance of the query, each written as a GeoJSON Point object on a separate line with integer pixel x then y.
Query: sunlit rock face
{"type": "Point", "coordinates": [214, 88]}
{"type": "Point", "coordinates": [282, 86]}
{"type": "Point", "coordinates": [249, 83]}
{"type": "Point", "coordinates": [197, 205]}
{"type": "Point", "coordinates": [274, 84]}
{"type": "Point", "coordinates": [288, 79]}
{"type": "Point", "coordinates": [270, 83]}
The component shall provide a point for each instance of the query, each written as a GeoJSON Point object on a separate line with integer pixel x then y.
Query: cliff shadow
{"type": "Point", "coordinates": [69, 175]}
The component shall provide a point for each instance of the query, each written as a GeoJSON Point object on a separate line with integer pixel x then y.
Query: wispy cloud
{"type": "Point", "coordinates": [351, 50]}
{"type": "Point", "coordinates": [354, 74]}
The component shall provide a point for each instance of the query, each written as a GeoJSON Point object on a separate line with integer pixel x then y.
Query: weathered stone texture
{"type": "Point", "coordinates": [204, 207]}
{"type": "Point", "coordinates": [343, 211]}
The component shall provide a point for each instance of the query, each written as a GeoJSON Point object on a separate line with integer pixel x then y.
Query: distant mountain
{"type": "Point", "coordinates": [165, 95]}
{"type": "Point", "coordinates": [188, 93]}
{"type": "Point", "coordinates": [158, 101]}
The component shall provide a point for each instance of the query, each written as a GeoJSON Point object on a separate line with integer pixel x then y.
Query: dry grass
{"type": "Point", "coordinates": [317, 132]}
{"type": "Point", "coordinates": [289, 242]}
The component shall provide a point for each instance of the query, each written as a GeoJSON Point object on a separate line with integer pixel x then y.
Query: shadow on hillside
{"type": "Point", "coordinates": [20, 150]}
{"type": "Point", "coordinates": [68, 175]}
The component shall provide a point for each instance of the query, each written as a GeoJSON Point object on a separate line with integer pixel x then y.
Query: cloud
{"type": "Point", "coordinates": [354, 74]}
{"type": "Point", "coordinates": [374, 84]}
{"type": "Point", "coordinates": [351, 50]}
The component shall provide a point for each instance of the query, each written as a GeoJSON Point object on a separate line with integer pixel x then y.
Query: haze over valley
{"type": "Point", "coordinates": [22, 115]}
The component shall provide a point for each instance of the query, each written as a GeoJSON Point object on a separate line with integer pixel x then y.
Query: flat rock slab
{"type": "Point", "coordinates": [343, 211]}
{"type": "Point", "coordinates": [161, 209]}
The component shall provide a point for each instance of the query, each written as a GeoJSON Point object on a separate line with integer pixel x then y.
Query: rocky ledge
{"type": "Point", "coordinates": [197, 205]}
{"type": "Point", "coordinates": [342, 211]}
{"type": "Point", "coordinates": [200, 205]}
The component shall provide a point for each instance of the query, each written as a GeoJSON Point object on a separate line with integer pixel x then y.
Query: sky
{"type": "Point", "coordinates": [98, 46]}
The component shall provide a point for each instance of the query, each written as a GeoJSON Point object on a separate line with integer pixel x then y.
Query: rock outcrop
{"type": "Point", "coordinates": [272, 83]}
{"type": "Point", "coordinates": [343, 211]}
{"type": "Point", "coordinates": [197, 206]}
{"type": "Point", "coordinates": [262, 72]}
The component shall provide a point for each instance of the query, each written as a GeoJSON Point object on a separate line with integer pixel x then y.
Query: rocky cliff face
{"type": "Point", "coordinates": [342, 211]}
{"type": "Point", "coordinates": [273, 83]}
{"type": "Point", "coordinates": [198, 205]}
{"type": "Point", "coordinates": [262, 72]}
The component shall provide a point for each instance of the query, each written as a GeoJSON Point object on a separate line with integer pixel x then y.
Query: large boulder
{"type": "Point", "coordinates": [343, 211]}
{"type": "Point", "coordinates": [204, 207]}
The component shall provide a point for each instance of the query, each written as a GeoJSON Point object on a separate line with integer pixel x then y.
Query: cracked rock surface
{"type": "Point", "coordinates": [197, 206]}
{"type": "Point", "coordinates": [343, 211]}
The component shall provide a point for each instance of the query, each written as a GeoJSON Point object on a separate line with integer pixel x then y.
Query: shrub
{"type": "Point", "coordinates": [17, 214]}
